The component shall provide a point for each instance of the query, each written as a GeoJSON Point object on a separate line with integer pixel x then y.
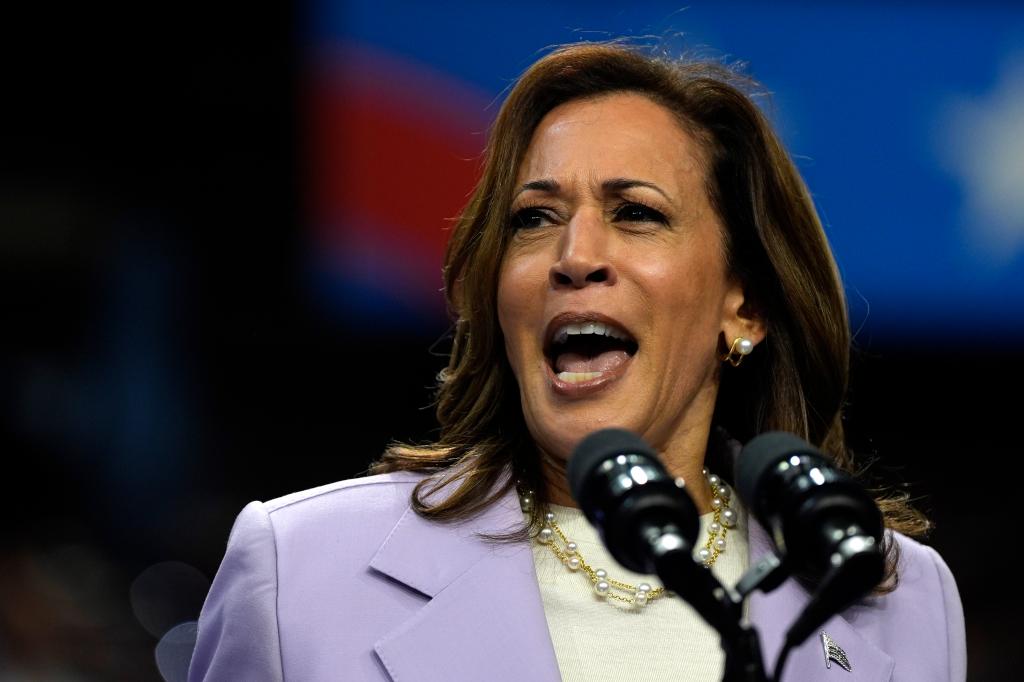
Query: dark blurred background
{"type": "Point", "coordinates": [220, 240]}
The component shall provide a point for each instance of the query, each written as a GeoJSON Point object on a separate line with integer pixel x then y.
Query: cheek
{"type": "Point", "coordinates": [509, 300]}
{"type": "Point", "coordinates": [682, 287]}
{"type": "Point", "coordinates": [514, 312]}
{"type": "Point", "coordinates": [687, 296]}
{"type": "Point", "coordinates": [521, 287]}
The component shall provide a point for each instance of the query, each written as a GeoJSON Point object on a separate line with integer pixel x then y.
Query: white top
{"type": "Point", "coordinates": [599, 639]}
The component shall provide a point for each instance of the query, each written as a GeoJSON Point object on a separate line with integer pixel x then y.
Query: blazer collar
{"type": "Point", "coordinates": [484, 619]}
{"type": "Point", "coordinates": [773, 613]}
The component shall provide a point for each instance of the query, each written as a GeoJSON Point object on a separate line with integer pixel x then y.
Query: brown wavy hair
{"type": "Point", "coordinates": [796, 380]}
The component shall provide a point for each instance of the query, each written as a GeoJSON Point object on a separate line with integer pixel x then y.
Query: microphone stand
{"type": "Point", "coordinates": [720, 606]}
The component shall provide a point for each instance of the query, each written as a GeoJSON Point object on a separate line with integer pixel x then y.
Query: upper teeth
{"type": "Point", "coordinates": [568, 330]}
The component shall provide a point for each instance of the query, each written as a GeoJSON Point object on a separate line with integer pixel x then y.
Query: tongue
{"type": "Point", "coordinates": [603, 362]}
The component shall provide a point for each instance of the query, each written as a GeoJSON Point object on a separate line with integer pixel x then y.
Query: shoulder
{"type": "Point", "coordinates": [292, 563]}
{"type": "Point", "coordinates": [922, 571]}
{"type": "Point", "coordinates": [921, 566]}
{"type": "Point", "coordinates": [924, 610]}
{"type": "Point", "coordinates": [353, 512]}
{"type": "Point", "coordinates": [366, 488]}
{"type": "Point", "coordinates": [335, 509]}
{"type": "Point", "coordinates": [382, 495]}
{"type": "Point", "coordinates": [371, 495]}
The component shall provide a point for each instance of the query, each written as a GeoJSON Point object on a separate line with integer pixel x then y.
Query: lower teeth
{"type": "Point", "coordinates": [577, 377]}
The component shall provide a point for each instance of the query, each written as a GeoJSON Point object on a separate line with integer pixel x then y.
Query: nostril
{"type": "Point", "coordinates": [568, 276]}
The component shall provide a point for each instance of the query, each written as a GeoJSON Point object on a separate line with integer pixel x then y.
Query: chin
{"type": "Point", "coordinates": [560, 433]}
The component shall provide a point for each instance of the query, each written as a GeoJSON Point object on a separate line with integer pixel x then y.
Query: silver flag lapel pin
{"type": "Point", "coordinates": [834, 652]}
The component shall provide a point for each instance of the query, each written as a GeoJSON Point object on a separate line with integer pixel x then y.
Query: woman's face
{"type": "Point", "coordinates": [614, 289]}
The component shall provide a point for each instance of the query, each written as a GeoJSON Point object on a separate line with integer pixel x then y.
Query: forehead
{"type": "Point", "coordinates": [615, 135]}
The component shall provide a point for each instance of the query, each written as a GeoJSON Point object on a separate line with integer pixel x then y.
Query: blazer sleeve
{"type": "Point", "coordinates": [238, 636]}
{"type": "Point", "coordinates": [956, 635]}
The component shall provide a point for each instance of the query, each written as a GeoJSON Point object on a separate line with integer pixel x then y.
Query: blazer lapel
{"type": "Point", "coordinates": [773, 613]}
{"type": "Point", "coordinates": [484, 618]}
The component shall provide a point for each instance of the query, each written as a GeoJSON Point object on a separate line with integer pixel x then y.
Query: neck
{"type": "Point", "coordinates": [677, 462]}
{"type": "Point", "coordinates": [555, 484]}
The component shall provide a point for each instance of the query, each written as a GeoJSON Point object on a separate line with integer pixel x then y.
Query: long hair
{"type": "Point", "coordinates": [796, 381]}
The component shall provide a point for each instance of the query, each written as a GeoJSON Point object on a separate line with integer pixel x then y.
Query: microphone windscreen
{"type": "Point", "coordinates": [598, 447]}
{"type": "Point", "coordinates": [761, 454]}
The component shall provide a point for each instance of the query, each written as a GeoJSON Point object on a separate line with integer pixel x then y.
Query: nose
{"type": "Point", "coordinates": [583, 254]}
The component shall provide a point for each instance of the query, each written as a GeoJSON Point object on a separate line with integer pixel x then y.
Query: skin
{"type": "Point", "coordinates": [650, 256]}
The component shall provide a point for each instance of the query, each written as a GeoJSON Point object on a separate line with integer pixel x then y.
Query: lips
{"type": "Point", "coordinates": [586, 351]}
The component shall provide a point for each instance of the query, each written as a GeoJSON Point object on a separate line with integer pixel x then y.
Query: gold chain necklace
{"type": "Point", "coordinates": [640, 595]}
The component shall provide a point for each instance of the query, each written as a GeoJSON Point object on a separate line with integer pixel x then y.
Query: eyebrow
{"type": "Point", "coordinates": [548, 186]}
{"type": "Point", "coordinates": [620, 184]}
{"type": "Point", "coordinates": [610, 186]}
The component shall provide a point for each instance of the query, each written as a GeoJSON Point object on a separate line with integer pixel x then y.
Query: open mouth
{"type": "Point", "coordinates": [587, 350]}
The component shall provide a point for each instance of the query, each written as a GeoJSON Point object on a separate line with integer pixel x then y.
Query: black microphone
{"type": "Point", "coordinates": [626, 494]}
{"type": "Point", "coordinates": [822, 521]}
{"type": "Point", "coordinates": [647, 520]}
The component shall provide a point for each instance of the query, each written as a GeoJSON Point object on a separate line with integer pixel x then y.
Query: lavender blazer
{"type": "Point", "coordinates": [346, 582]}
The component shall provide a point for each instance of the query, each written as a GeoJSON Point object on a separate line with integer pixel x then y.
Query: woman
{"type": "Point", "coordinates": [640, 252]}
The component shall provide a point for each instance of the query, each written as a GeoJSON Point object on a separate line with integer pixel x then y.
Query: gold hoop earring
{"type": "Point", "coordinates": [741, 348]}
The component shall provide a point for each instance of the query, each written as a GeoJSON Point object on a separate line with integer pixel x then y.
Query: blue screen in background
{"type": "Point", "coordinates": [907, 124]}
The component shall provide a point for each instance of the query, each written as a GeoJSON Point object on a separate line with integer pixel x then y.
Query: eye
{"type": "Point", "coordinates": [530, 217]}
{"type": "Point", "coordinates": [633, 212]}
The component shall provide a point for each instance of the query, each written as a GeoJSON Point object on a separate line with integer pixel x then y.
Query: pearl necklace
{"type": "Point", "coordinates": [640, 595]}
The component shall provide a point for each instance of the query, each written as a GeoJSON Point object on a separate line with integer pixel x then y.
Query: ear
{"type": "Point", "coordinates": [742, 316]}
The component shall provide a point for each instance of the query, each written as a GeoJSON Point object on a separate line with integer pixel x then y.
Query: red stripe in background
{"type": "Point", "coordinates": [396, 152]}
